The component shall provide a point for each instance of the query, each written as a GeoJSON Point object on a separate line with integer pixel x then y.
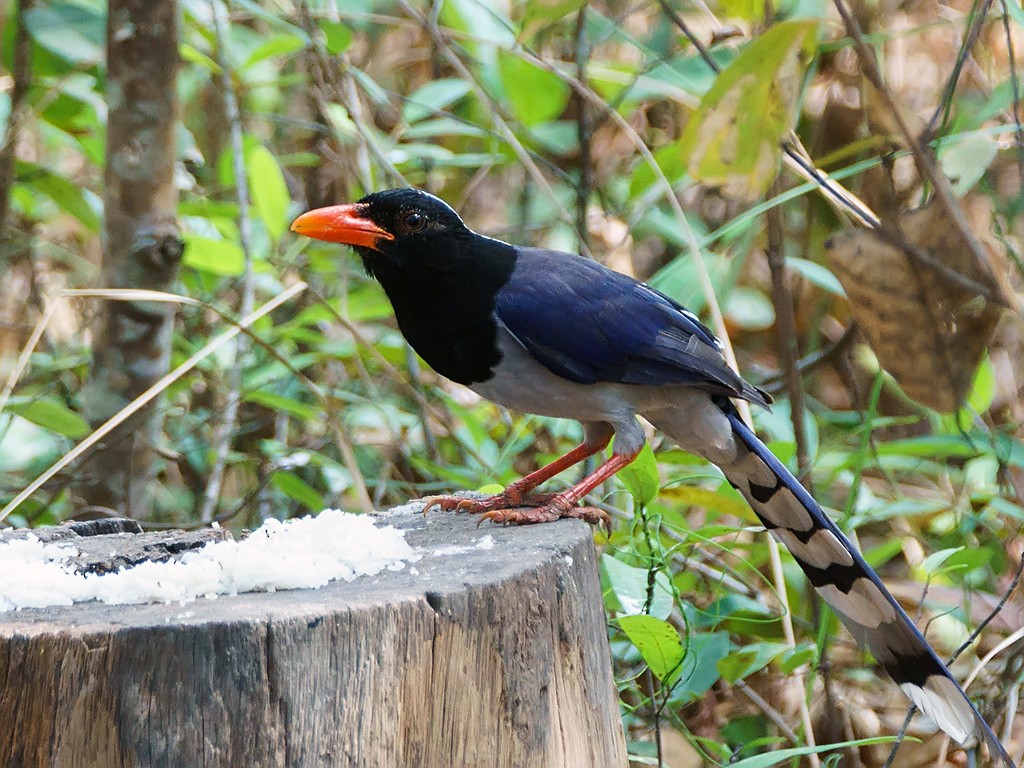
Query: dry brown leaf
{"type": "Point", "coordinates": [927, 329]}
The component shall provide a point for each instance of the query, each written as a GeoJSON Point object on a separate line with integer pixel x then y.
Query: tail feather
{"type": "Point", "coordinates": [851, 587]}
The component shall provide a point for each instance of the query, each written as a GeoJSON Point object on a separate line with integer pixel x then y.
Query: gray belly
{"type": "Point", "coordinates": [521, 383]}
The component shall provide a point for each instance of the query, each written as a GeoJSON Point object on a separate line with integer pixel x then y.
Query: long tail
{"type": "Point", "coordinates": [852, 588]}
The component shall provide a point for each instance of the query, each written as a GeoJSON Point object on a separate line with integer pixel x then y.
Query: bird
{"type": "Point", "coordinates": [558, 334]}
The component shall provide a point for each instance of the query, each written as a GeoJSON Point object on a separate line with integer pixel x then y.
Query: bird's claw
{"type": "Point", "coordinates": [507, 499]}
{"type": "Point", "coordinates": [514, 507]}
{"type": "Point", "coordinates": [547, 514]}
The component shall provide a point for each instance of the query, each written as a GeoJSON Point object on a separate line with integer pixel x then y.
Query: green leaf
{"type": "Point", "coordinates": [749, 308]}
{"type": "Point", "coordinates": [932, 563]}
{"type": "Point", "coordinates": [337, 36]}
{"type": "Point", "coordinates": [535, 94]}
{"type": "Point", "coordinates": [433, 97]}
{"type": "Point", "coordinates": [965, 161]}
{"type": "Point", "coordinates": [218, 257]}
{"type": "Point", "coordinates": [983, 391]}
{"type": "Point", "coordinates": [69, 197]}
{"type": "Point", "coordinates": [269, 190]}
{"type": "Point", "coordinates": [73, 32]}
{"type": "Point", "coordinates": [278, 45]}
{"type": "Point", "coordinates": [733, 140]}
{"type": "Point", "coordinates": [276, 402]}
{"type": "Point", "coordinates": [658, 642]}
{"type": "Point", "coordinates": [796, 657]}
{"type": "Point", "coordinates": [51, 415]}
{"type": "Point", "coordinates": [535, 13]}
{"type": "Point", "coordinates": [750, 659]}
{"type": "Point", "coordinates": [630, 585]}
{"type": "Point", "coordinates": [817, 274]}
{"type": "Point", "coordinates": [296, 488]}
{"type": "Point", "coordinates": [700, 667]}
{"type": "Point", "coordinates": [768, 759]}
{"type": "Point", "coordinates": [641, 477]}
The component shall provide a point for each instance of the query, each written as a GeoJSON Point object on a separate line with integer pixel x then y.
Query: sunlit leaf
{"type": "Point", "coordinates": [338, 36]}
{"type": "Point", "coordinates": [725, 501]}
{"type": "Point", "coordinates": [983, 391]}
{"type": "Point", "coordinates": [269, 190]}
{"type": "Point", "coordinates": [965, 161]}
{"type": "Point", "coordinates": [749, 659]}
{"type": "Point", "coordinates": [219, 257]}
{"type": "Point", "coordinates": [51, 415]}
{"type": "Point", "coordinates": [658, 642]}
{"type": "Point", "coordinates": [433, 97]}
{"type": "Point", "coordinates": [633, 590]}
{"type": "Point", "coordinates": [296, 488]}
{"type": "Point", "coordinates": [75, 33]}
{"type": "Point", "coordinates": [641, 476]}
{"type": "Point", "coordinates": [733, 140]}
{"type": "Point", "coordinates": [535, 94]}
{"type": "Point", "coordinates": [278, 45]}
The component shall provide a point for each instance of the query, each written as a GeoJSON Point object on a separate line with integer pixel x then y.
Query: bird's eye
{"type": "Point", "coordinates": [414, 221]}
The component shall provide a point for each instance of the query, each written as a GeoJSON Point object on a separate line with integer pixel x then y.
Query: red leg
{"type": "Point", "coordinates": [516, 494]}
{"type": "Point", "coordinates": [564, 504]}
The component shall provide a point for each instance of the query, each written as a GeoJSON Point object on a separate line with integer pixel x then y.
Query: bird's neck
{"type": "Point", "coordinates": [443, 297]}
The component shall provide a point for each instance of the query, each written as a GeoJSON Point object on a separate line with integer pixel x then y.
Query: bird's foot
{"type": "Point", "coordinates": [506, 500]}
{"type": "Point", "coordinates": [557, 508]}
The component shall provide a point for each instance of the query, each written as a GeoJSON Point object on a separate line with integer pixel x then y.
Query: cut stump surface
{"type": "Point", "coordinates": [472, 656]}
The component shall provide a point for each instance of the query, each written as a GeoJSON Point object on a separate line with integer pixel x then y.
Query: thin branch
{"type": "Point", "coordinates": [924, 162]}
{"type": "Point", "coordinates": [225, 429]}
{"type": "Point", "coordinates": [966, 46]}
{"type": "Point", "coordinates": [1015, 86]}
{"type": "Point", "coordinates": [584, 133]}
{"type": "Point", "coordinates": [22, 74]}
{"type": "Point", "coordinates": [799, 674]}
{"type": "Point", "coordinates": [785, 327]}
{"type": "Point", "coordinates": [774, 383]}
{"type": "Point", "coordinates": [148, 396]}
{"type": "Point", "coordinates": [794, 155]}
{"type": "Point", "coordinates": [444, 45]}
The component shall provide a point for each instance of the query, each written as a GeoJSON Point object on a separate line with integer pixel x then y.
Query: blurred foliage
{"type": "Point", "coordinates": [481, 103]}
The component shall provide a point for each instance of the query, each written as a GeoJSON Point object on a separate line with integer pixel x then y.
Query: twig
{"type": "Point", "coordinates": [225, 428]}
{"type": "Point", "coordinates": [1015, 86]}
{"type": "Point", "coordinates": [925, 165]}
{"type": "Point", "coordinates": [769, 711]}
{"type": "Point", "coordinates": [150, 394]}
{"type": "Point", "coordinates": [584, 133]}
{"type": "Point", "coordinates": [26, 354]}
{"type": "Point", "coordinates": [506, 133]}
{"type": "Point", "coordinates": [966, 45]}
{"type": "Point", "coordinates": [22, 74]}
{"type": "Point", "coordinates": [785, 328]}
{"type": "Point", "coordinates": [775, 382]}
{"type": "Point", "coordinates": [794, 155]}
{"type": "Point", "coordinates": [798, 674]}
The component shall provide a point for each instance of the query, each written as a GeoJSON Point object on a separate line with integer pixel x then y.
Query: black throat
{"type": "Point", "coordinates": [443, 292]}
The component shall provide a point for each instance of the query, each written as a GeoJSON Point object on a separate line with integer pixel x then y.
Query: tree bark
{"type": "Point", "coordinates": [473, 656]}
{"type": "Point", "coordinates": [142, 247]}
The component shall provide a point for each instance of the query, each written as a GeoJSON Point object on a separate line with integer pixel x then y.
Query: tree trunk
{"type": "Point", "coordinates": [472, 656]}
{"type": "Point", "coordinates": [142, 247]}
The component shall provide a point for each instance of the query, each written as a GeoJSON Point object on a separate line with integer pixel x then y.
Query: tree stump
{"type": "Point", "coordinates": [471, 656]}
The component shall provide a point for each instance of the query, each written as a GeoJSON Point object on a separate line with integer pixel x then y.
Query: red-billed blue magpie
{"type": "Point", "coordinates": [557, 334]}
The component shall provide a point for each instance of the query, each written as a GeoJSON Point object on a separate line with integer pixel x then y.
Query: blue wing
{"type": "Point", "coordinates": [589, 324]}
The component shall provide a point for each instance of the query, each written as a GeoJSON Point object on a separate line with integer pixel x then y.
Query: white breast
{"type": "Point", "coordinates": [523, 384]}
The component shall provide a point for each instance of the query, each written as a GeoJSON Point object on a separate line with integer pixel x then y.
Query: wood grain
{"type": "Point", "coordinates": [470, 657]}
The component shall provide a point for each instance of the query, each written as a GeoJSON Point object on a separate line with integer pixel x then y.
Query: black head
{"type": "Point", "coordinates": [388, 222]}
